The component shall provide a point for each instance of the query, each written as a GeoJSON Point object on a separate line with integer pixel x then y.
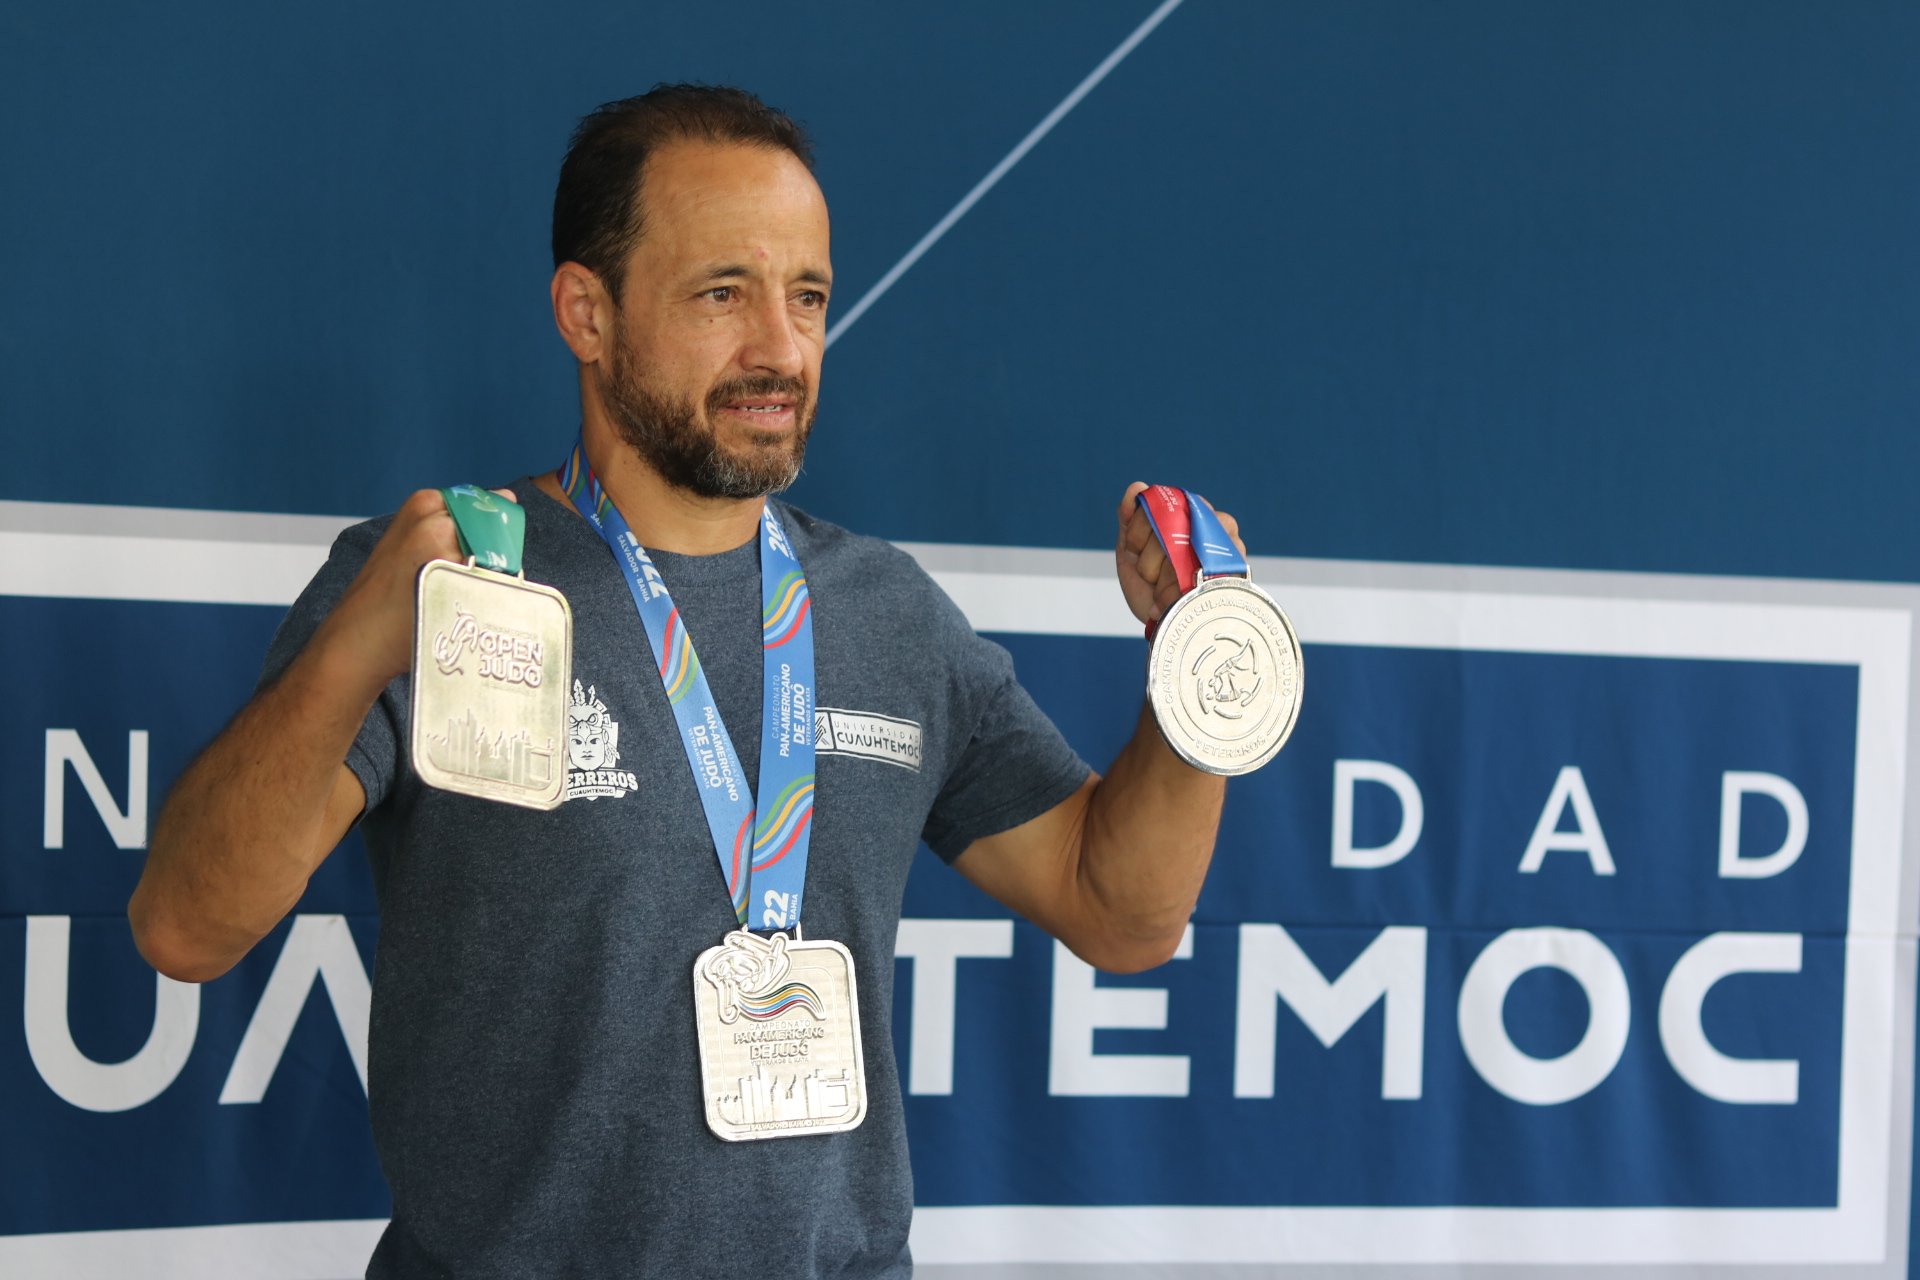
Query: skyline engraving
{"type": "Point", "coordinates": [765, 1098]}
{"type": "Point", "coordinates": [511, 759]}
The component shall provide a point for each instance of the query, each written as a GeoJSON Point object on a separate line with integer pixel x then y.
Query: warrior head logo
{"type": "Point", "coordinates": [593, 739]}
{"type": "Point", "coordinates": [1228, 686]}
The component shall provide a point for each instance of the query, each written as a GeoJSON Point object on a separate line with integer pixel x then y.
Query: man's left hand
{"type": "Point", "coordinates": [1147, 578]}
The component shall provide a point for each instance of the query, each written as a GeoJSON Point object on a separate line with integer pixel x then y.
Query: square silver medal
{"type": "Point", "coordinates": [779, 1025]}
{"type": "Point", "coordinates": [492, 665]}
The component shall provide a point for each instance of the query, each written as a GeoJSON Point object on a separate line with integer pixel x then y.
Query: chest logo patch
{"type": "Point", "coordinates": [593, 749]}
{"type": "Point", "coordinates": [866, 734]}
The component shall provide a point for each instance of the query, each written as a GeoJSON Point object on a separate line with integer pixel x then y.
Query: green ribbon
{"type": "Point", "coordinates": [493, 529]}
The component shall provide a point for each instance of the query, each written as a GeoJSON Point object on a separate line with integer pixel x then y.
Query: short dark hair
{"type": "Point", "coordinates": [597, 212]}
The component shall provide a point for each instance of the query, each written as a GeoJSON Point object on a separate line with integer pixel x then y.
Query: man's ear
{"type": "Point", "coordinates": [582, 311]}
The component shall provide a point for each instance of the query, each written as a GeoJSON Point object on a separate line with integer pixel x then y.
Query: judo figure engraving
{"type": "Point", "coordinates": [1229, 686]}
{"type": "Point", "coordinates": [747, 972]}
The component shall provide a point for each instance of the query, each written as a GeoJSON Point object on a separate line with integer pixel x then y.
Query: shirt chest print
{"type": "Point", "coordinates": [869, 735]}
{"type": "Point", "coordinates": [593, 749]}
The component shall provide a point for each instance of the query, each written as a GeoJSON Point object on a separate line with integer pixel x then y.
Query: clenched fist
{"type": "Point", "coordinates": [1146, 577]}
{"type": "Point", "coordinates": [373, 623]}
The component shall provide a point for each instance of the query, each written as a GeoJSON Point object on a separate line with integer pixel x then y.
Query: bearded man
{"type": "Point", "coordinates": [534, 1078]}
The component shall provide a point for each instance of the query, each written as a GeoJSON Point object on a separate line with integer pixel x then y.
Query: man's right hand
{"type": "Point", "coordinates": [372, 626]}
{"type": "Point", "coordinates": [256, 813]}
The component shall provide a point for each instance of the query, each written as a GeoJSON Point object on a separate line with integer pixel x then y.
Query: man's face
{"type": "Point", "coordinates": [713, 372]}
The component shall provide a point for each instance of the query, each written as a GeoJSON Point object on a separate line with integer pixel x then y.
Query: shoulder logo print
{"type": "Point", "coordinates": [869, 735]}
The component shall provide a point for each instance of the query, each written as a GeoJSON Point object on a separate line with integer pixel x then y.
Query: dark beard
{"type": "Point", "coordinates": [669, 436]}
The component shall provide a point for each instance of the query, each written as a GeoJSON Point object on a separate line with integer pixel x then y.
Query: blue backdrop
{"type": "Point", "coordinates": [1546, 288]}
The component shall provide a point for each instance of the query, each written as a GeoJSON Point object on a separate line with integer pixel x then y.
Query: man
{"type": "Point", "coordinates": [534, 1082]}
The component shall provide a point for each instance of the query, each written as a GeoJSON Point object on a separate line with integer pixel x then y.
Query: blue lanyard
{"type": "Point", "coordinates": [769, 853]}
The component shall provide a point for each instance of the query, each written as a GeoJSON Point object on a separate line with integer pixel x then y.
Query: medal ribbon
{"type": "Point", "coordinates": [492, 529]}
{"type": "Point", "coordinates": [1195, 541]}
{"type": "Point", "coordinates": [764, 845]}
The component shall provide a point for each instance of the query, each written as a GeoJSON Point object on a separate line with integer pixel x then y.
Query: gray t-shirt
{"type": "Point", "coordinates": [533, 1071]}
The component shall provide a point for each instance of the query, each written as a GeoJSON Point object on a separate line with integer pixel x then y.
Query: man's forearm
{"type": "Point", "coordinates": [249, 821]}
{"type": "Point", "coordinates": [1147, 839]}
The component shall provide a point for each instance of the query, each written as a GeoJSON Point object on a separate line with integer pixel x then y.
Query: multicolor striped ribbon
{"type": "Point", "coordinates": [760, 849]}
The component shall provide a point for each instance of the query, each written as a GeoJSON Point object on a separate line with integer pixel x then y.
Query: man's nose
{"type": "Point", "coordinates": [773, 344]}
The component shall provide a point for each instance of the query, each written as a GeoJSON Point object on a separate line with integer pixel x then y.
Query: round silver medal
{"type": "Point", "coordinates": [1224, 676]}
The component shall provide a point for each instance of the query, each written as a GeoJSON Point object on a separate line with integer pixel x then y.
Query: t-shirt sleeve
{"type": "Point", "coordinates": [1014, 764]}
{"type": "Point", "coordinates": [374, 755]}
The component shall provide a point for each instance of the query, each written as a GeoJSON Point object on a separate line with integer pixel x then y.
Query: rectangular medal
{"type": "Point", "coordinates": [492, 658]}
{"type": "Point", "coordinates": [779, 1025]}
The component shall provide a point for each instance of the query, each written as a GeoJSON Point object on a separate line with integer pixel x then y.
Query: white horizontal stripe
{"type": "Point", "coordinates": [999, 590]}
{"type": "Point", "coordinates": [1143, 1233]}
{"type": "Point", "coordinates": [119, 567]}
{"type": "Point", "coordinates": [258, 1251]}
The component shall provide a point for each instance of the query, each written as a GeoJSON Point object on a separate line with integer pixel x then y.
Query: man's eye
{"type": "Point", "coordinates": [721, 293]}
{"type": "Point", "coordinates": [813, 300]}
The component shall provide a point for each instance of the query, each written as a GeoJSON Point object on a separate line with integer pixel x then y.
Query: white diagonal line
{"type": "Point", "coordinates": [999, 171]}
